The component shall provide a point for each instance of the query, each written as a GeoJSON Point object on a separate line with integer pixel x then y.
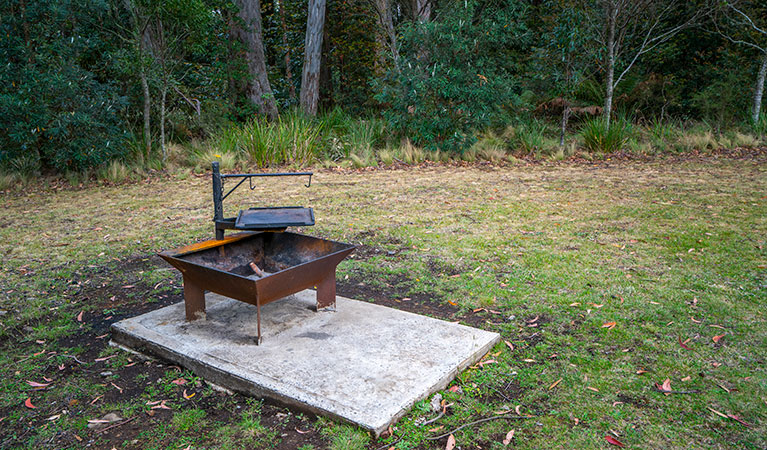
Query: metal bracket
{"type": "Point", "coordinates": [218, 191]}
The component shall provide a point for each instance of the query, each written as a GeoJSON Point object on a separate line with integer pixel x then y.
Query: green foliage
{"type": "Point", "coordinates": [760, 126]}
{"type": "Point", "coordinates": [599, 136]}
{"type": "Point", "coordinates": [529, 136]}
{"type": "Point", "coordinates": [53, 108]}
{"type": "Point", "coordinates": [561, 57]}
{"type": "Point", "coordinates": [188, 419]}
{"type": "Point", "coordinates": [344, 135]}
{"type": "Point", "coordinates": [293, 138]}
{"type": "Point", "coordinates": [662, 134]}
{"type": "Point", "coordinates": [455, 75]}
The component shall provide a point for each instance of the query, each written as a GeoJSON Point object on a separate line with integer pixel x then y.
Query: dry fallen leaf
{"type": "Point", "coordinates": [435, 429]}
{"type": "Point", "coordinates": [716, 412]}
{"type": "Point", "coordinates": [665, 387]}
{"type": "Point", "coordinates": [301, 431]}
{"type": "Point", "coordinates": [450, 443]}
{"type": "Point", "coordinates": [28, 403]}
{"type": "Point", "coordinates": [717, 338]}
{"type": "Point", "coordinates": [188, 396]}
{"type": "Point", "coordinates": [80, 316]}
{"type": "Point", "coordinates": [734, 417]}
{"type": "Point", "coordinates": [682, 344]}
{"type": "Point", "coordinates": [641, 371]}
{"type": "Point", "coordinates": [509, 437]}
{"type": "Point", "coordinates": [614, 441]}
{"type": "Point", "coordinates": [179, 381]}
{"type": "Point", "coordinates": [609, 325]}
{"type": "Point", "coordinates": [162, 405]}
{"type": "Point", "coordinates": [555, 384]}
{"type": "Point", "coordinates": [508, 344]}
{"type": "Point", "coordinates": [592, 388]}
{"type": "Point", "coordinates": [35, 384]}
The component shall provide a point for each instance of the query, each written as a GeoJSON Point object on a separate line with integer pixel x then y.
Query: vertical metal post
{"type": "Point", "coordinates": [218, 207]}
{"type": "Point", "coordinates": [326, 291]}
{"type": "Point", "coordinates": [194, 300]}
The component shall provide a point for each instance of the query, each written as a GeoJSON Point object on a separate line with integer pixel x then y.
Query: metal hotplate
{"type": "Point", "coordinates": [273, 218]}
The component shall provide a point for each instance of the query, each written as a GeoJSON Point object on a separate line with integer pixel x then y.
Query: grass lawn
{"type": "Point", "coordinates": [605, 279]}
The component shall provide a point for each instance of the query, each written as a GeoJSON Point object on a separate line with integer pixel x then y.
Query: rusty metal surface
{"type": "Point", "coordinates": [292, 262]}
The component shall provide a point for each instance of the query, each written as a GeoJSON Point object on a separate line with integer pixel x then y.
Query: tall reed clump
{"type": "Point", "coordinates": [662, 134]}
{"type": "Point", "coordinates": [293, 138]}
{"type": "Point", "coordinates": [598, 136]}
{"type": "Point", "coordinates": [348, 137]}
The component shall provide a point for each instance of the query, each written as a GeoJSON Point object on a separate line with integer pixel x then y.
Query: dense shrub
{"type": "Point", "coordinates": [455, 75]}
{"type": "Point", "coordinates": [53, 111]}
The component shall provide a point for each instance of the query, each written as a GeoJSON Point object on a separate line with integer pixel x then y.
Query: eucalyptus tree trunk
{"type": "Point", "coordinates": [756, 109]}
{"type": "Point", "coordinates": [258, 89]}
{"type": "Point", "coordinates": [423, 10]}
{"type": "Point", "coordinates": [285, 44]}
{"type": "Point", "coordinates": [565, 116]}
{"type": "Point", "coordinates": [326, 75]}
{"type": "Point", "coordinates": [145, 49]}
{"type": "Point", "coordinates": [612, 16]}
{"type": "Point", "coordinates": [310, 78]}
{"type": "Point", "coordinates": [387, 31]}
{"type": "Point", "coordinates": [147, 114]}
{"type": "Point", "coordinates": [163, 97]}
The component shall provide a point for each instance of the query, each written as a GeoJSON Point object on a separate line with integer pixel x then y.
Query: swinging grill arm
{"type": "Point", "coordinates": [219, 196]}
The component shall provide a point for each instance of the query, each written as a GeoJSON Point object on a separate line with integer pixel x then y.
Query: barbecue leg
{"type": "Point", "coordinates": [194, 300]}
{"type": "Point", "coordinates": [326, 291]}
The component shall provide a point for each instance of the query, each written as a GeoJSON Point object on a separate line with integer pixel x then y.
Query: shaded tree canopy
{"type": "Point", "coordinates": [88, 82]}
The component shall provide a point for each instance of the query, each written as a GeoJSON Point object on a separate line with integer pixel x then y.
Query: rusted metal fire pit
{"type": "Point", "coordinates": [257, 267]}
{"type": "Point", "coordinates": [289, 263]}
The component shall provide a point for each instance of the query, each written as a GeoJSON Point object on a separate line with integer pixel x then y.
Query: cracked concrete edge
{"type": "Point", "coordinates": [124, 338]}
{"type": "Point", "coordinates": [444, 381]}
{"type": "Point", "coordinates": [213, 375]}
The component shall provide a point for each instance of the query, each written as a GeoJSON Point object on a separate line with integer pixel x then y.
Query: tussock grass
{"type": "Point", "coordinates": [601, 137]}
{"type": "Point", "coordinates": [700, 140]}
{"type": "Point", "coordinates": [410, 154]}
{"type": "Point", "coordinates": [738, 139]}
{"type": "Point", "coordinates": [203, 157]}
{"type": "Point", "coordinates": [530, 137]}
{"type": "Point", "coordinates": [9, 181]}
{"type": "Point", "coordinates": [115, 172]}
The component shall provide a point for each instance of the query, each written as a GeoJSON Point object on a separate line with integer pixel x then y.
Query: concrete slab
{"type": "Point", "coordinates": [364, 363]}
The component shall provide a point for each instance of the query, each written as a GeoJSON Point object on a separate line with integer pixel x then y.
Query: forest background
{"type": "Point", "coordinates": [111, 89]}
